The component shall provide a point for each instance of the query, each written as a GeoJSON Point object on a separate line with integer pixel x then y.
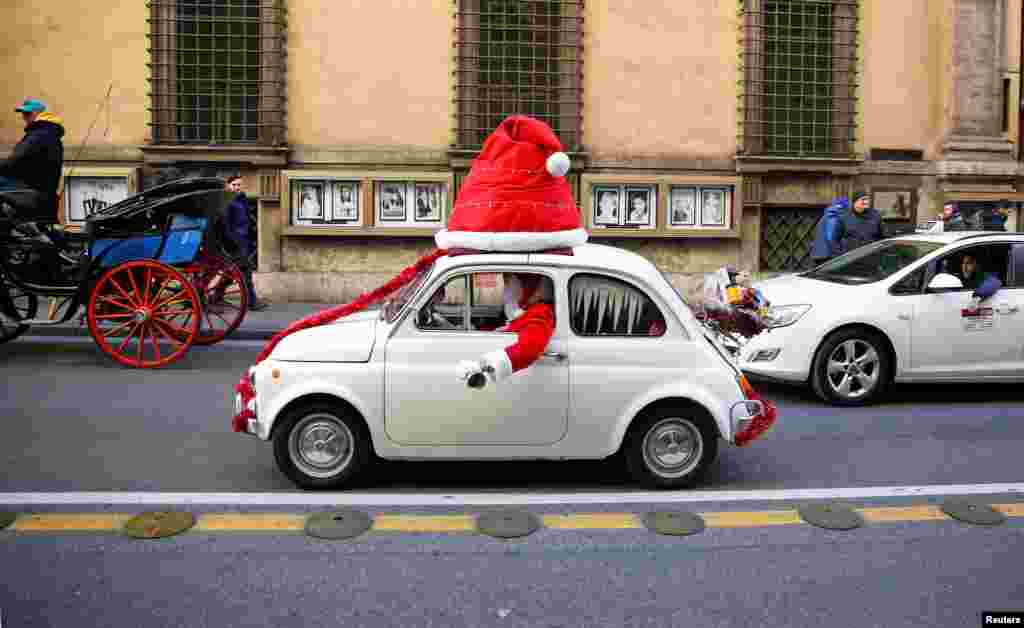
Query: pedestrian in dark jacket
{"type": "Point", "coordinates": [236, 229]}
{"type": "Point", "coordinates": [37, 160]}
{"type": "Point", "coordinates": [827, 233]}
{"type": "Point", "coordinates": [860, 224]}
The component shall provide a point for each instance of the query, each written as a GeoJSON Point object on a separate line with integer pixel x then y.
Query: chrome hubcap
{"type": "Point", "coordinates": [321, 445]}
{"type": "Point", "coordinates": [673, 447]}
{"type": "Point", "coordinates": [853, 369]}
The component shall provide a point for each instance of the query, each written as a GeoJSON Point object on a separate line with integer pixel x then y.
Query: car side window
{"type": "Point", "coordinates": [970, 264]}
{"type": "Point", "coordinates": [605, 306]}
{"type": "Point", "coordinates": [1017, 272]}
{"type": "Point", "coordinates": [911, 284]}
{"type": "Point", "coordinates": [446, 308]}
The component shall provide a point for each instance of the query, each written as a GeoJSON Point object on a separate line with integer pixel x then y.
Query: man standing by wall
{"type": "Point", "coordinates": [860, 225]}
{"type": "Point", "coordinates": [236, 228]}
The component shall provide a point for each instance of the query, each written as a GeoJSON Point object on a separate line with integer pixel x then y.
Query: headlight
{"type": "Point", "coordinates": [784, 315]}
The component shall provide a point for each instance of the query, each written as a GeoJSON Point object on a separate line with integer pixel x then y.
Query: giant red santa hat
{"type": "Point", "coordinates": [515, 199]}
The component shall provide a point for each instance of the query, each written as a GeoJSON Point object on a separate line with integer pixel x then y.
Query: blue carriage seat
{"type": "Point", "coordinates": [184, 237]}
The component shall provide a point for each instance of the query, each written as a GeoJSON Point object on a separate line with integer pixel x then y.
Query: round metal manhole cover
{"type": "Point", "coordinates": [157, 525]}
{"type": "Point", "coordinates": [831, 516]}
{"type": "Point", "coordinates": [674, 523]}
{"type": "Point", "coordinates": [973, 512]}
{"type": "Point", "coordinates": [6, 519]}
{"type": "Point", "coordinates": [508, 524]}
{"type": "Point", "coordinates": [338, 525]}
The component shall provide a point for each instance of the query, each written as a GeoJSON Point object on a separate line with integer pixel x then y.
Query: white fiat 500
{"type": "Point", "coordinates": [896, 310]}
{"type": "Point", "coordinates": [629, 369]}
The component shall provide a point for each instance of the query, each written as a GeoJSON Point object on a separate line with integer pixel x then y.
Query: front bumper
{"type": "Point", "coordinates": [251, 425]}
{"type": "Point", "coordinates": [782, 354]}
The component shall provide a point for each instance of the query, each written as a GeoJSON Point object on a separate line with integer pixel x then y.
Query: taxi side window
{"type": "Point", "coordinates": [989, 258]}
{"type": "Point", "coordinates": [605, 306]}
{"type": "Point", "coordinates": [1017, 272]}
{"type": "Point", "coordinates": [446, 308]}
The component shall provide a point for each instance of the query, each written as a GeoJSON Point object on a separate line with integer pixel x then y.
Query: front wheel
{"type": "Point", "coordinates": [321, 446]}
{"type": "Point", "coordinates": [670, 448]}
{"type": "Point", "coordinates": [852, 368]}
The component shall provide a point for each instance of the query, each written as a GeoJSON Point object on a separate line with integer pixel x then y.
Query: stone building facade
{"type": "Point", "coordinates": [702, 133]}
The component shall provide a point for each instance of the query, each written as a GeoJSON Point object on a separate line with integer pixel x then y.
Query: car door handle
{"type": "Point", "coordinates": [903, 317]}
{"type": "Point", "coordinates": [557, 356]}
{"type": "Point", "coordinates": [1013, 309]}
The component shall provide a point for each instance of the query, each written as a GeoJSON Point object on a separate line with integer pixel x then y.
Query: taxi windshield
{"type": "Point", "coordinates": [394, 306]}
{"type": "Point", "coordinates": [872, 263]}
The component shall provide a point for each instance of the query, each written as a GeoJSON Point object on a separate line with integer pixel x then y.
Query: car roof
{"type": "Point", "coordinates": [598, 256]}
{"type": "Point", "coordinates": [949, 237]}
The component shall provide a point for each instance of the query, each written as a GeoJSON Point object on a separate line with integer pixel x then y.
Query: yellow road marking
{"type": "Point", "coordinates": [293, 522]}
{"type": "Point", "coordinates": [270, 522]}
{"type": "Point", "coordinates": [86, 522]}
{"type": "Point", "coordinates": [593, 521]}
{"type": "Point", "coordinates": [415, 523]}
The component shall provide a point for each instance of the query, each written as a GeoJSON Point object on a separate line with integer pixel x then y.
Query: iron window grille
{"type": "Point", "coordinates": [217, 71]}
{"type": "Point", "coordinates": [799, 62]}
{"type": "Point", "coordinates": [518, 57]}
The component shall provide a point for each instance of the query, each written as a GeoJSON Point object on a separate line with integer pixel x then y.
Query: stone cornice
{"type": "Point", "coordinates": [255, 155]}
{"type": "Point", "coordinates": [746, 164]}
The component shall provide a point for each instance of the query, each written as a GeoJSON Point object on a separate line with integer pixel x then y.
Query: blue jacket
{"type": "Point", "coordinates": [236, 223]}
{"type": "Point", "coordinates": [828, 233]}
{"type": "Point", "coordinates": [984, 284]}
{"type": "Point", "coordinates": [860, 229]}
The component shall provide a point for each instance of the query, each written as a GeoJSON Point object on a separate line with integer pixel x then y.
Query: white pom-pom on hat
{"type": "Point", "coordinates": [558, 164]}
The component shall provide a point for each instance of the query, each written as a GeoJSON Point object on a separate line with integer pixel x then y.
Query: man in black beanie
{"type": "Point", "coordinates": [860, 224]}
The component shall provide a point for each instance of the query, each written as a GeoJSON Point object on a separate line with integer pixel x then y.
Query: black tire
{"type": "Point", "coordinates": [303, 422]}
{"type": "Point", "coordinates": [857, 386]}
{"type": "Point", "coordinates": [25, 305]}
{"type": "Point", "coordinates": [689, 422]}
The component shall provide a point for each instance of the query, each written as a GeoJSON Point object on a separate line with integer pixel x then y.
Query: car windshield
{"type": "Point", "coordinates": [872, 263]}
{"type": "Point", "coordinates": [393, 306]}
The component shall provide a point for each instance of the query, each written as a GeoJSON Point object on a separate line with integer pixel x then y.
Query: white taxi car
{"type": "Point", "coordinates": [896, 310]}
{"type": "Point", "coordinates": [628, 370]}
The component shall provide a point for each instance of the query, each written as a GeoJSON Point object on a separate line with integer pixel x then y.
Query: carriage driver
{"type": "Point", "coordinates": [35, 164]}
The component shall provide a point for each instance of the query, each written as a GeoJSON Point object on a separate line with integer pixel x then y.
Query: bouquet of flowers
{"type": "Point", "coordinates": [731, 305]}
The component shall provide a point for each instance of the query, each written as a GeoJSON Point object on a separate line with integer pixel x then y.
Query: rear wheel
{"type": "Point", "coordinates": [852, 368]}
{"type": "Point", "coordinates": [223, 297]}
{"type": "Point", "coordinates": [143, 314]}
{"type": "Point", "coordinates": [320, 445]}
{"type": "Point", "coordinates": [671, 447]}
{"type": "Point", "coordinates": [17, 306]}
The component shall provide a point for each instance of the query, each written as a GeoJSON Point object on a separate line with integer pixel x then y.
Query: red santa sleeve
{"type": "Point", "coordinates": [534, 330]}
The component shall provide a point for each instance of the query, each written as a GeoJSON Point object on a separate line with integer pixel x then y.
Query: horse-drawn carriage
{"type": "Point", "coordinates": [149, 272]}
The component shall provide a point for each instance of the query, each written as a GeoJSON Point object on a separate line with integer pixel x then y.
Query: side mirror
{"type": "Point", "coordinates": [945, 281]}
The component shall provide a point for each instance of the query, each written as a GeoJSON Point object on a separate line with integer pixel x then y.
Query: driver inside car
{"type": "Point", "coordinates": [984, 284]}
{"type": "Point", "coordinates": [529, 305]}
{"type": "Point", "coordinates": [430, 318]}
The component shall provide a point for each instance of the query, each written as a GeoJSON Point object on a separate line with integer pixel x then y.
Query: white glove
{"type": "Point", "coordinates": [466, 369]}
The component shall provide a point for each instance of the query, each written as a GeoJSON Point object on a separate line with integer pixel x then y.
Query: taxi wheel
{"type": "Point", "coordinates": [321, 446]}
{"type": "Point", "coordinates": [670, 448]}
{"type": "Point", "coordinates": [852, 368]}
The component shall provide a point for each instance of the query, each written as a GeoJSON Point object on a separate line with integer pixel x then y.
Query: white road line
{"type": "Point", "coordinates": [495, 499]}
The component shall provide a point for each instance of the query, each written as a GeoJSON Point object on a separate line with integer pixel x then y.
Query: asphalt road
{"type": "Point", "coordinates": [76, 421]}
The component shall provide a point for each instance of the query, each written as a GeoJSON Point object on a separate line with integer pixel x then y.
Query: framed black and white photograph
{"type": "Point", "coordinates": [639, 206]}
{"type": "Point", "coordinates": [682, 206]}
{"type": "Point", "coordinates": [714, 207]}
{"type": "Point", "coordinates": [84, 196]}
{"type": "Point", "coordinates": [429, 201]}
{"type": "Point", "coordinates": [391, 202]}
{"type": "Point", "coordinates": [310, 200]}
{"type": "Point", "coordinates": [607, 208]}
{"type": "Point", "coordinates": [344, 201]}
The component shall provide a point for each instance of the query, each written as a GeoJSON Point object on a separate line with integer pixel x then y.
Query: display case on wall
{"type": "Point", "coordinates": [86, 190]}
{"type": "Point", "coordinates": [661, 206]}
{"type": "Point", "coordinates": [366, 203]}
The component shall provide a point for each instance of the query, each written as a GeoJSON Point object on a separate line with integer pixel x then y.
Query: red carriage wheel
{"type": "Point", "coordinates": [143, 314]}
{"type": "Point", "coordinates": [223, 297]}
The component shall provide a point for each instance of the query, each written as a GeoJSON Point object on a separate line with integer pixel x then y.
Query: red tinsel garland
{"type": "Point", "coordinates": [240, 420]}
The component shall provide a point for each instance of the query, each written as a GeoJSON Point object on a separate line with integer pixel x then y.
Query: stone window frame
{"type": "Point", "coordinates": [663, 185]}
{"type": "Point", "coordinates": [367, 224]}
{"type": "Point", "coordinates": [479, 104]}
{"type": "Point", "coordinates": [165, 137]}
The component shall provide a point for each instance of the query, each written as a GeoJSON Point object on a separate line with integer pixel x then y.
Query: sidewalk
{"type": "Point", "coordinates": [256, 325]}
